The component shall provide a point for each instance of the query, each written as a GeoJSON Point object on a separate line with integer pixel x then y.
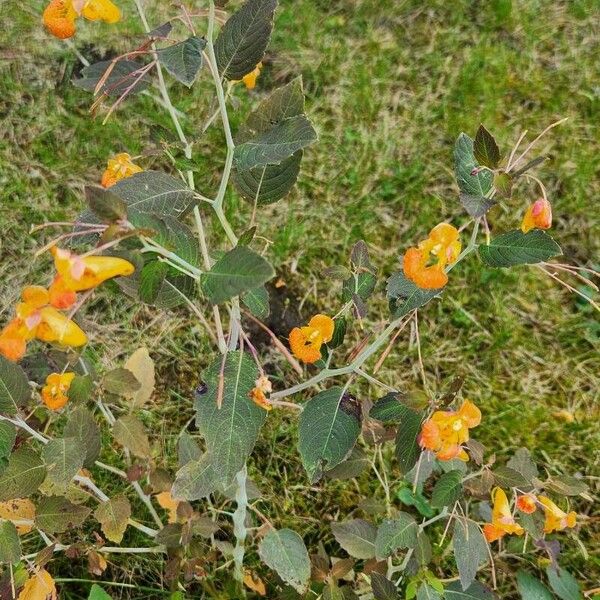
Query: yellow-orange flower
{"type": "Point", "coordinates": [55, 392]}
{"type": "Point", "coordinates": [101, 10]}
{"type": "Point", "coordinates": [503, 521]}
{"type": "Point", "coordinates": [250, 79]}
{"type": "Point", "coordinates": [262, 387]}
{"type": "Point", "coordinates": [306, 342]}
{"type": "Point", "coordinates": [447, 430]}
{"type": "Point", "coordinates": [119, 167]}
{"type": "Point", "coordinates": [526, 503]}
{"type": "Point", "coordinates": [538, 216]}
{"type": "Point", "coordinates": [60, 15]}
{"type": "Point", "coordinates": [78, 273]}
{"type": "Point", "coordinates": [425, 264]}
{"type": "Point", "coordinates": [60, 296]}
{"type": "Point", "coordinates": [556, 519]}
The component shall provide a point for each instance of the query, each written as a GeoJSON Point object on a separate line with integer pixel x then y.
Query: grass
{"type": "Point", "coordinates": [390, 85]}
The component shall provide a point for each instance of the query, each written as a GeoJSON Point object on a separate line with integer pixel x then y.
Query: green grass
{"type": "Point", "coordinates": [390, 85]}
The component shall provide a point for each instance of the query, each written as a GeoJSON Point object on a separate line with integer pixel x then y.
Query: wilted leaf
{"type": "Point", "coordinates": [23, 475]}
{"type": "Point", "coordinates": [253, 582]}
{"type": "Point", "coordinates": [395, 534]}
{"type": "Point", "coordinates": [39, 586]}
{"type": "Point", "coordinates": [55, 514]}
{"type": "Point", "coordinates": [122, 76]}
{"type": "Point", "coordinates": [10, 546]}
{"type": "Point", "coordinates": [531, 588]}
{"type": "Point", "coordinates": [170, 535]}
{"type": "Point", "coordinates": [83, 427]}
{"type": "Point", "coordinates": [113, 516]}
{"type": "Point", "coordinates": [166, 501]}
{"type": "Point", "coordinates": [14, 387]}
{"type": "Point", "coordinates": [518, 248]}
{"type": "Point", "coordinates": [19, 509]}
{"type": "Point", "coordinates": [284, 551]}
{"type": "Point", "coordinates": [356, 537]}
{"type": "Point", "coordinates": [485, 148]}
{"type": "Point", "coordinates": [476, 206]}
{"type": "Point", "coordinates": [183, 60]}
{"type": "Point", "coordinates": [447, 489]}
{"type": "Point", "coordinates": [130, 433]}
{"type": "Point", "coordinates": [142, 367]}
{"type": "Point", "coordinates": [328, 428]}
{"type": "Point", "coordinates": [63, 457]}
{"type": "Point", "coordinates": [464, 163]}
{"type": "Point", "coordinates": [470, 550]}
{"type": "Point", "coordinates": [121, 382]}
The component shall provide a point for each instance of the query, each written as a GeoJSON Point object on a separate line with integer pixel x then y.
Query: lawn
{"type": "Point", "coordinates": [390, 84]}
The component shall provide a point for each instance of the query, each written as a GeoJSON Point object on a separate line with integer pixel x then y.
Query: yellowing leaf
{"type": "Point", "coordinates": [20, 509]}
{"type": "Point", "coordinates": [40, 586]}
{"type": "Point", "coordinates": [255, 583]}
{"type": "Point", "coordinates": [167, 502]}
{"type": "Point", "coordinates": [142, 366]}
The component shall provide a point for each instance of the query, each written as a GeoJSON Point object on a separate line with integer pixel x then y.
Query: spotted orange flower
{"type": "Point", "coordinates": [503, 521]}
{"type": "Point", "coordinates": [250, 79]}
{"type": "Point", "coordinates": [425, 264]}
{"type": "Point", "coordinates": [59, 16]}
{"type": "Point", "coordinates": [60, 295]}
{"type": "Point", "coordinates": [447, 430]}
{"type": "Point", "coordinates": [78, 273]}
{"type": "Point", "coordinates": [119, 167]}
{"type": "Point", "coordinates": [262, 387]}
{"type": "Point", "coordinates": [55, 392]}
{"type": "Point", "coordinates": [538, 216]}
{"type": "Point", "coordinates": [526, 503]}
{"type": "Point", "coordinates": [306, 342]}
{"type": "Point", "coordinates": [556, 519]}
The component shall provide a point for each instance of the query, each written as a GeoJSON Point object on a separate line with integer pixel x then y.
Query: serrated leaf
{"type": "Point", "coordinates": [14, 387]}
{"type": "Point", "coordinates": [196, 479]}
{"type": "Point", "coordinates": [447, 489]}
{"type": "Point", "coordinates": [23, 476]}
{"type": "Point", "coordinates": [476, 591]}
{"type": "Point", "coordinates": [142, 366]}
{"type": "Point", "coordinates": [230, 431]}
{"type": "Point", "coordinates": [405, 296]}
{"type": "Point", "coordinates": [242, 41]}
{"type": "Point", "coordinates": [531, 588]}
{"type": "Point", "coordinates": [356, 537]}
{"type": "Point", "coordinates": [518, 248]}
{"type": "Point", "coordinates": [566, 485]}
{"type": "Point", "coordinates": [183, 60]}
{"type": "Point", "coordinates": [351, 467]}
{"type": "Point", "coordinates": [63, 457]}
{"type": "Point", "coordinates": [81, 389]}
{"type": "Point", "coordinates": [122, 77]}
{"type": "Point", "coordinates": [328, 428]}
{"type": "Point", "coordinates": [464, 163]}
{"type": "Point", "coordinates": [383, 588]}
{"type": "Point", "coordinates": [106, 205]}
{"type": "Point", "coordinates": [284, 551]}
{"type": "Point", "coordinates": [121, 382]}
{"type": "Point", "coordinates": [130, 433]}
{"type": "Point", "coordinates": [563, 584]}
{"type": "Point", "coordinates": [238, 271]}
{"type": "Point", "coordinates": [476, 206]}
{"type": "Point", "coordinates": [275, 145]}
{"type": "Point", "coordinates": [395, 534]}
{"type": "Point", "coordinates": [485, 148]}
{"type": "Point", "coordinates": [507, 478]}
{"type": "Point", "coordinates": [10, 546]}
{"type": "Point", "coordinates": [187, 449]}
{"type": "Point", "coordinates": [470, 550]}
{"type": "Point", "coordinates": [113, 516]}
{"type": "Point", "coordinates": [522, 463]}
{"type": "Point", "coordinates": [8, 436]}
{"type": "Point", "coordinates": [55, 514]}
{"type": "Point", "coordinates": [83, 427]}
{"type": "Point", "coordinates": [257, 302]}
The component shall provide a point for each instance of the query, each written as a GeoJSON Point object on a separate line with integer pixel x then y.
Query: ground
{"type": "Point", "coordinates": [390, 84]}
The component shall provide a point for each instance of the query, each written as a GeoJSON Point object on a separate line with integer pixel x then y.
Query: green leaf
{"type": "Point", "coordinates": [10, 547]}
{"type": "Point", "coordinates": [151, 280]}
{"type": "Point", "coordinates": [196, 479]}
{"type": "Point", "coordinates": [183, 60]}
{"type": "Point", "coordinates": [257, 302]}
{"type": "Point", "coordinates": [170, 535]}
{"type": "Point", "coordinates": [395, 534]}
{"type": "Point", "coordinates": [383, 588]}
{"type": "Point", "coordinates": [423, 550]}
{"type": "Point", "coordinates": [447, 489]}
{"type": "Point", "coordinates": [187, 449]}
{"type": "Point", "coordinates": [470, 550]}
{"type": "Point", "coordinates": [407, 445]}
{"type": "Point", "coordinates": [8, 436]}
{"type": "Point", "coordinates": [506, 477]}
{"type": "Point", "coordinates": [55, 514]}
{"type": "Point", "coordinates": [121, 382]}
{"type": "Point", "coordinates": [532, 163]}
{"type": "Point", "coordinates": [97, 593]}
{"type": "Point", "coordinates": [476, 591]}
{"type": "Point", "coordinates": [405, 296]}
{"type": "Point", "coordinates": [531, 588]}
{"type": "Point", "coordinates": [464, 163]}
{"type": "Point", "coordinates": [113, 516]}
{"type": "Point", "coordinates": [328, 428]}
{"type": "Point", "coordinates": [284, 551]}
{"type": "Point", "coordinates": [485, 148]}
{"type": "Point", "coordinates": [566, 485]}
{"type": "Point", "coordinates": [81, 389]}
{"type": "Point", "coordinates": [563, 584]}
{"type": "Point", "coordinates": [122, 76]}
{"type": "Point", "coordinates": [106, 205]}
{"type": "Point", "coordinates": [426, 592]}
{"type": "Point", "coordinates": [518, 248]}
{"type": "Point", "coordinates": [231, 430]}
{"type": "Point", "coordinates": [523, 464]}
{"type": "Point", "coordinates": [238, 271]}
{"type": "Point", "coordinates": [476, 206]}
{"type": "Point", "coordinates": [14, 387]}
{"type": "Point", "coordinates": [83, 427]}
{"type": "Point", "coordinates": [63, 457]}
{"type": "Point", "coordinates": [361, 284]}
{"type": "Point", "coordinates": [130, 433]}
{"type": "Point", "coordinates": [23, 475]}
{"type": "Point", "coordinates": [389, 408]}
{"type": "Point", "coordinates": [244, 38]}
{"type": "Point", "coordinates": [356, 537]}
{"type": "Point", "coordinates": [275, 145]}
{"type": "Point", "coordinates": [352, 467]}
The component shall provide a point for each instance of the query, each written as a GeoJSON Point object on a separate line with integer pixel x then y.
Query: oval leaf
{"type": "Point", "coordinates": [518, 248]}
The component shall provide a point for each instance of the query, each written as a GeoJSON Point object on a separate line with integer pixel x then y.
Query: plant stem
{"type": "Point", "coordinates": [239, 523]}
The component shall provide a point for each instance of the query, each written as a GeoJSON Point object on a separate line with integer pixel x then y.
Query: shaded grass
{"type": "Point", "coordinates": [390, 85]}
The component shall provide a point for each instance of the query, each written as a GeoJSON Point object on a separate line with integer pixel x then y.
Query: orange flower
{"type": "Point", "coordinates": [59, 18]}
{"type": "Point", "coordinates": [556, 519]}
{"type": "Point", "coordinates": [526, 503]}
{"type": "Point", "coordinates": [60, 295]}
{"type": "Point", "coordinates": [446, 431]}
{"type": "Point", "coordinates": [101, 10]}
{"type": "Point", "coordinates": [250, 79]}
{"type": "Point", "coordinates": [78, 273]}
{"type": "Point", "coordinates": [441, 248]}
{"type": "Point", "coordinates": [306, 342]}
{"type": "Point", "coordinates": [259, 392]}
{"type": "Point", "coordinates": [503, 521]}
{"type": "Point", "coordinates": [119, 167]}
{"type": "Point", "coordinates": [55, 392]}
{"type": "Point", "coordinates": [538, 216]}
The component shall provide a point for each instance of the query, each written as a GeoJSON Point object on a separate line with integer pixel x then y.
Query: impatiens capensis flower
{"type": "Point", "coordinates": [262, 387]}
{"type": "Point", "coordinates": [60, 295]}
{"type": "Point", "coordinates": [425, 264]}
{"type": "Point", "coordinates": [119, 167]}
{"type": "Point", "coordinates": [55, 392]}
{"type": "Point", "coordinates": [78, 273]}
{"type": "Point", "coordinates": [99, 10]}
{"type": "Point", "coordinates": [526, 503]}
{"type": "Point", "coordinates": [556, 519]}
{"type": "Point", "coordinates": [250, 79]}
{"type": "Point", "coordinates": [447, 430]}
{"type": "Point", "coordinates": [306, 342]}
{"type": "Point", "coordinates": [60, 15]}
{"type": "Point", "coordinates": [538, 216]}
{"type": "Point", "coordinates": [503, 521]}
